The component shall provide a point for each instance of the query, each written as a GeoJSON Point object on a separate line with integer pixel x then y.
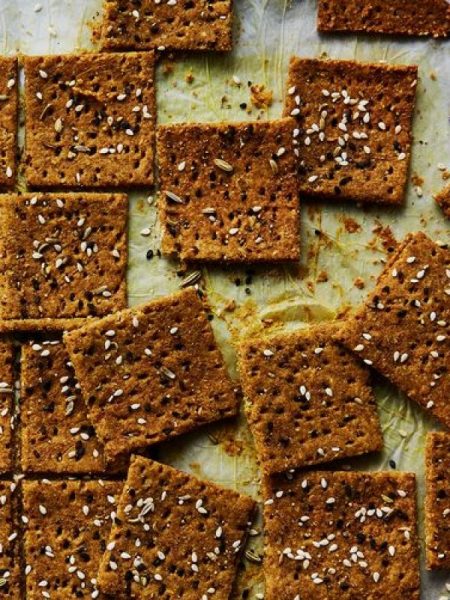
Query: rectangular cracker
{"type": "Point", "coordinates": [67, 524]}
{"type": "Point", "coordinates": [10, 577]}
{"type": "Point", "coordinates": [143, 25]}
{"type": "Point", "coordinates": [396, 17]}
{"type": "Point", "coordinates": [56, 434]}
{"type": "Point", "coordinates": [354, 128]}
{"type": "Point", "coordinates": [443, 200]}
{"type": "Point", "coordinates": [229, 191]}
{"type": "Point", "coordinates": [310, 399]}
{"type": "Point", "coordinates": [90, 120]}
{"type": "Point", "coordinates": [151, 373]}
{"type": "Point", "coordinates": [437, 504]}
{"type": "Point", "coordinates": [9, 114]}
{"type": "Point", "coordinates": [176, 536]}
{"type": "Point", "coordinates": [335, 535]}
{"type": "Point", "coordinates": [66, 259]}
{"type": "Point", "coordinates": [7, 407]}
{"type": "Point", "coordinates": [402, 328]}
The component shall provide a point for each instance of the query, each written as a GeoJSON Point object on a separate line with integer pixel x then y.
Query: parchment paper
{"type": "Point", "coordinates": [201, 88]}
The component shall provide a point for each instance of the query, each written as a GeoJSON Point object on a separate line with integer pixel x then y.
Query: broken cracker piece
{"type": "Point", "coordinates": [229, 191]}
{"type": "Point", "coordinates": [90, 120]}
{"type": "Point", "coordinates": [151, 373]}
{"type": "Point", "coordinates": [437, 504]}
{"type": "Point", "coordinates": [353, 128]}
{"type": "Point", "coordinates": [9, 115]}
{"type": "Point", "coordinates": [7, 408]}
{"type": "Point", "coordinates": [396, 17]}
{"type": "Point", "coordinates": [402, 330]}
{"type": "Point", "coordinates": [64, 256]}
{"type": "Point", "coordinates": [334, 535]}
{"type": "Point", "coordinates": [66, 525]}
{"type": "Point", "coordinates": [443, 199]}
{"type": "Point", "coordinates": [175, 536]}
{"type": "Point", "coordinates": [56, 435]}
{"type": "Point", "coordinates": [310, 399]}
{"type": "Point", "coordinates": [145, 24]}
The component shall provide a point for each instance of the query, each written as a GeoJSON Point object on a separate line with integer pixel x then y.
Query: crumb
{"type": "Point", "coordinates": [322, 277]}
{"type": "Point", "coordinates": [260, 96]}
{"type": "Point", "coordinates": [189, 78]}
{"type": "Point", "coordinates": [359, 283]}
{"type": "Point", "coordinates": [351, 226]}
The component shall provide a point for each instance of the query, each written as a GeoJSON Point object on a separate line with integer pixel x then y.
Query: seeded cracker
{"type": "Point", "coordinates": [354, 128]}
{"type": "Point", "coordinates": [56, 434]}
{"type": "Point", "coordinates": [175, 537]}
{"type": "Point", "coordinates": [66, 259]}
{"type": "Point", "coordinates": [443, 199]}
{"type": "Point", "coordinates": [229, 191]}
{"type": "Point", "coordinates": [9, 541]}
{"type": "Point", "coordinates": [310, 400]}
{"type": "Point", "coordinates": [146, 24]}
{"type": "Point", "coordinates": [6, 408]}
{"type": "Point", "coordinates": [437, 507]}
{"type": "Point", "coordinates": [8, 121]}
{"type": "Point", "coordinates": [341, 536]}
{"type": "Point", "coordinates": [151, 373]}
{"type": "Point", "coordinates": [90, 120]}
{"type": "Point", "coordinates": [401, 17]}
{"type": "Point", "coordinates": [66, 524]}
{"type": "Point", "coordinates": [402, 330]}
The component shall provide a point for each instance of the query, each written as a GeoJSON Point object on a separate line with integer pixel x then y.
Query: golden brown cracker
{"type": "Point", "coordinates": [229, 191]}
{"type": "Point", "coordinates": [176, 536]}
{"type": "Point", "coordinates": [353, 128]}
{"type": "Point", "coordinates": [90, 120]}
{"type": "Point", "coordinates": [402, 329]}
{"type": "Point", "coordinates": [151, 373]}
{"type": "Point", "coordinates": [341, 536]}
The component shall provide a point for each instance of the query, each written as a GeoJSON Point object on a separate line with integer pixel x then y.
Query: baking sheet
{"type": "Point", "coordinates": [342, 241]}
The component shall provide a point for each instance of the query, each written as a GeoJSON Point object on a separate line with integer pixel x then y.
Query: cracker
{"type": "Point", "coordinates": [90, 120]}
{"type": "Point", "coordinates": [400, 17]}
{"type": "Point", "coordinates": [9, 114]}
{"type": "Point", "coordinates": [67, 524]}
{"type": "Point", "coordinates": [66, 259]}
{"type": "Point", "coordinates": [354, 128]}
{"type": "Point", "coordinates": [310, 400]}
{"type": "Point", "coordinates": [7, 407]}
{"type": "Point", "coordinates": [402, 330]}
{"type": "Point", "coordinates": [56, 435]}
{"type": "Point", "coordinates": [437, 504]}
{"type": "Point", "coordinates": [341, 535]}
{"type": "Point", "coordinates": [443, 199]}
{"type": "Point", "coordinates": [151, 373]}
{"type": "Point", "coordinates": [175, 536]}
{"type": "Point", "coordinates": [142, 25]}
{"type": "Point", "coordinates": [9, 540]}
{"type": "Point", "coordinates": [229, 191]}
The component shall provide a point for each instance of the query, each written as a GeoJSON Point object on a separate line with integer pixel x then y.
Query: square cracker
{"type": "Point", "coordinates": [437, 504]}
{"type": "Point", "coordinates": [8, 121]}
{"type": "Point", "coordinates": [145, 24]}
{"type": "Point", "coordinates": [90, 120]}
{"type": "Point", "coordinates": [340, 536]}
{"type": "Point", "coordinates": [67, 524]}
{"type": "Point", "coordinates": [151, 373]}
{"type": "Point", "coordinates": [401, 17]}
{"type": "Point", "coordinates": [310, 400]}
{"type": "Point", "coordinates": [64, 256]}
{"type": "Point", "coordinates": [56, 435]}
{"type": "Point", "coordinates": [175, 536]}
{"type": "Point", "coordinates": [354, 128]}
{"type": "Point", "coordinates": [229, 191]}
{"type": "Point", "coordinates": [7, 407]}
{"type": "Point", "coordinates": [402, 330]}
{"type": "Point", "coordinates": [10, 577]}
{"type": "Point", "coordinates": [443, 199]}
